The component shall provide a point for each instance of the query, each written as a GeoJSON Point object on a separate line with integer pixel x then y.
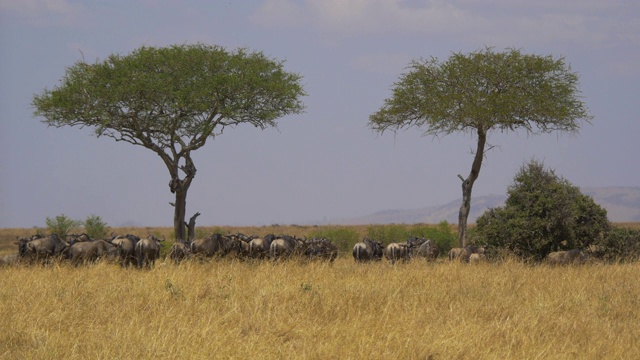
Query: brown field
{"type": "Point", "coordinates": [299, 310]}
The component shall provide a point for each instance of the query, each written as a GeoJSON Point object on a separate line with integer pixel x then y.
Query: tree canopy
{"type": "Point", "coordinates": [480, 92]}
{"type": "Point", "coordinates": [543, 213]}
{"type": "Point", "coordinates": [171, 100]}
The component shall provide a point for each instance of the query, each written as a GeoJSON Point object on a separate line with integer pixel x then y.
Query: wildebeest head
{"type": "Point", "coordinates": [22, 245]}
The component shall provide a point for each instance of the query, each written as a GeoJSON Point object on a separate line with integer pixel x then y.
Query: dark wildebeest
{"type": "Point", "coordinates": [396, 251]}
{"type": "Point", "coordinates": [428, 249]}
{"type": "Point", "coordinates": [259, 247]}
{"type": "Point", "coordinates": [46, 248]}
{"type": "Point", "coordinates": [321, 248]}
{"type": "Point", "coordinates": [22, 246]}
{"type": "Point", "coordinates": [367, 250]}
{"type": "Point", "coordinates": [575, 256]}
{"type": "Point", "coordinates": [126, 249]}
{"type": "Point", "coordinates": [238, 245]}
{"type": "Point", "coordinates": [75, 238]}
{"type": "Point", "coordinates": [216, 244]}
{"type": "Point", "coordinates": [90, 251]}
{"type": "Point", "coordinates": [22, 243]}
{"type": "Point", "coordinates": [148, 251]}
{"type": "Point", "coordinates": [180, 251]}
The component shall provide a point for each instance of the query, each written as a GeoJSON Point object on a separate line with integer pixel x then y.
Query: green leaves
{"type": "Point", "coordinates": [61, 225]}
{"type": "Point", "coordinates": [484, 90]}
{"type": "Point", "coordinates": [172, 96]}
{"type": "Point", "coordinates": [543, 213]}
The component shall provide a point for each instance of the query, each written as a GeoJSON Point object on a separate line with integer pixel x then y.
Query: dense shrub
{"type": "Point", "coordinates": [61, 225]}
{"type": "Point", "coordinates": [620, 244]}
{"type": "Point", "coordinates": [95, 227]}
{"type": "Point", "coordinates": [543, 213]}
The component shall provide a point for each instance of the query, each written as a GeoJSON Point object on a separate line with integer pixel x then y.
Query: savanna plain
{"type": "Point", "coordinates": [226, 308]}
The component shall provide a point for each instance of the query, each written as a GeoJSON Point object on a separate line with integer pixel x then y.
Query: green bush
{"type": "Point", "coordinates": [344, 238]}
{"type": "Point", "coordinates": [543, 213]}
{"type": "Point", "coordinates": [440, 234]}
{"type": "Point", "coordinates": [61, 225]}
{"type": "Point", "coordinates": [620, 244]}
{"type": "Point", "coordinates": [388, 233]}
{"type": "Point", "coordinates": [95, 227]}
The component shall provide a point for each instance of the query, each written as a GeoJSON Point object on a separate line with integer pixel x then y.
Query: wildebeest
{"type": "Point", "coordinates": [428, 249]}
{"type": "Point", "coordinates": [9, 259]}
{"type": "Point", "coordinates": [367, 250]}
{"type": "Point", "coordinates": [88, 251]}
{"type": "Point", "coordinates": [283, 247]}
{"type": "Point", "coordinates": [74, 238]}
{"type": "Point", "coordinates": [179, 251]}
{"type": "Point", "coordinates": [574, 256]}
{"type": "Point", "coordinates": [259, 247]}
{"type": "Point", "coordinates": [459, 254]}
{"type": "Point", "coordinates": [22, 246]}
{"type": "Point", "coordinates": [321, 248]}
{"type": "Point", "coordinates": [396, 251]}
{"type": "Point", "coordinates": [148, 251]}
{"type": "Point", "coordinates": [463, 254]}
{"type": "Point", "coordinates": [477, 258]}
{"type": "Point", "coordinates": [216, 244]}
{"type": "Point", "coordinates": [126, 249]}
{"type": "Point", "coordinates": [46, 247]}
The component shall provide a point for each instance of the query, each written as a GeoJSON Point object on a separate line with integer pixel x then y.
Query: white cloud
{"type": "Point", "coordinates": [42, 12]}
{"type": "Point", "coordinates": [497, 22]}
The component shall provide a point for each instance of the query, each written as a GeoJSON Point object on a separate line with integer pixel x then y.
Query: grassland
{"type": "Point", "coordinates": [299, 310]}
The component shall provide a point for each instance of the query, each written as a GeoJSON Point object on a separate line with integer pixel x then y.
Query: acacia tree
{"type": "Point", "coordinates": [171, 100]}
{"type": "Point", "coordinates": [480, 92]}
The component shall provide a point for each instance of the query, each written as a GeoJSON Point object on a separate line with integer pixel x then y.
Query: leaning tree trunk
{"type": "Point", "coordinates": [467, 186]}
{"type": "Point", "coordinates": [191, 227]}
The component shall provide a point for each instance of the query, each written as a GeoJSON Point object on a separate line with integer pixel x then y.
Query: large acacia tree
{"type": "Point", "coordinates": [171, 100]}
{"type": "Point", "coordinates": [481, 92]}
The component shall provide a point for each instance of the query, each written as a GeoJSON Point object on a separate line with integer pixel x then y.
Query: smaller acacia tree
{"type": "Point", "coordinates": [543, 213]}
{"type": "Point", "coordinates": [481, 92]}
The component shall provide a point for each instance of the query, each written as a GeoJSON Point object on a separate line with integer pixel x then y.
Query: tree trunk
{"type": "Point", "coordinates": [191, 227]}
{"type": "Point", "coordinates": [180, 188]}
{"type": "Point", "coordinates": [463, 215]}
{"type": "Point", "coordinates": [180, 210]}
{"type": "Point", "coordinates": [467, 187]}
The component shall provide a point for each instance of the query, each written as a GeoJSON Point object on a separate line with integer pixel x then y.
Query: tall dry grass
{"type": "Point", "coordinates": [231, 309]}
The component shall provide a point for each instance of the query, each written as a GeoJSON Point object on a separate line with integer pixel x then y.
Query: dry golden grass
{"type": "Point", "coordinates": [231, 309]}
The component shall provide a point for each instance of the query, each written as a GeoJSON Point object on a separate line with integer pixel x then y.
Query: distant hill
{"type": "Point", "coordinates": [622, 204]}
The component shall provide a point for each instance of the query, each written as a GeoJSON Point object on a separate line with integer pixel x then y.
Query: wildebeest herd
{"type": "Point", "coordinates": [133, 251]}
{"type": "Point", "coordinates": [414, 247]}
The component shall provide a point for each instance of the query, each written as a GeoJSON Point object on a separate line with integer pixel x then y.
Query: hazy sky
{"type": "Point", "coordinates": [326, 163]}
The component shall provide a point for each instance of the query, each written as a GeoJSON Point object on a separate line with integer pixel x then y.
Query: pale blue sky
{"type": "Point", "coordinates": [324, 164]}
